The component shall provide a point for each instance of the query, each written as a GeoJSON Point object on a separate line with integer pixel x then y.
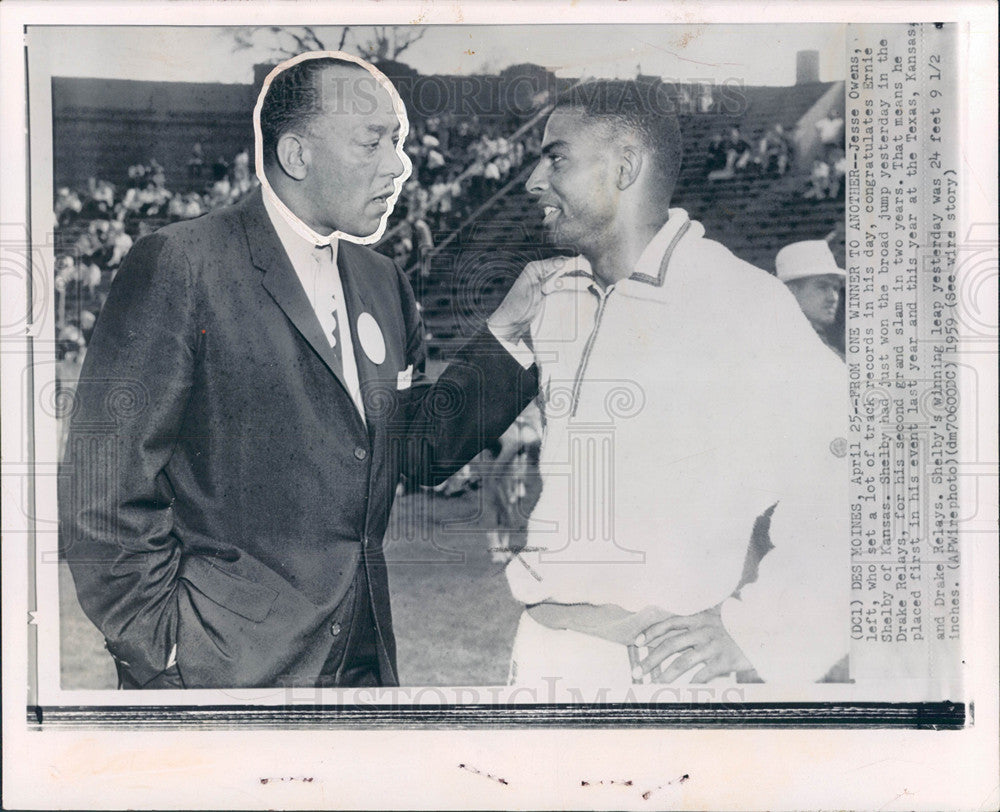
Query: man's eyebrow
{"type": "Point", "coordinates": [381, 129]}
{"type": "Point", "coordinates": [551, 146]}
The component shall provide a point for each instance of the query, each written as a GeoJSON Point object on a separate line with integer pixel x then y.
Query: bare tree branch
{"type": "Point", "coordinates": [414, 35]}
{"type": "Point", "coordinates": [383, 43]}
{"type": "Point", "coordinates": [302, 39]}
{"type": "Point", "coordinates": [388, 42]}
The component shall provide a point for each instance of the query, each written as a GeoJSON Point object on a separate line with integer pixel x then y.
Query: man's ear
{"type": "Point", "coordinates": [293, 155]}
{"type": "Point", "coordinates": [629, 167]}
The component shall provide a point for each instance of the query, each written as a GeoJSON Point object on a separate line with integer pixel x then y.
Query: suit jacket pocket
{"type": "Point", "coordinates": [248, 599]}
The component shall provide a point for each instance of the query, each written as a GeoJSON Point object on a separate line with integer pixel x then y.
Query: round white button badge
{"type": "Point", "coordinates": [371, 338]}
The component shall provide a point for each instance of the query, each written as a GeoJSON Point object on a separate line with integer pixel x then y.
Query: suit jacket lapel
{"type": "Point", "coordinates": [282, 283]}
{"type": "Point", "coordinates": [356, 284]}
{"type": "Point", "coordinates": [364, 294]}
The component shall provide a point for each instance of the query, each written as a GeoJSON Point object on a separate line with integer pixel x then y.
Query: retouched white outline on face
{"type": "Point", "coordinates": [404, 127]}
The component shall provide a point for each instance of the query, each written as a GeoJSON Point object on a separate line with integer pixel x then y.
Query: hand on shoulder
{"type": "Point", "coordinates": [523, 302]}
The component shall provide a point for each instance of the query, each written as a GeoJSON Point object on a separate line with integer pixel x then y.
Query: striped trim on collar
{"type": "Point", "coordinates": [675, 229]}
{"type": "Point", "coordinates": [657, 281]}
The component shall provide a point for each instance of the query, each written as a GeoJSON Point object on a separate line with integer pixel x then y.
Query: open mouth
{"type": "Point", "coordinates": [551, 213]}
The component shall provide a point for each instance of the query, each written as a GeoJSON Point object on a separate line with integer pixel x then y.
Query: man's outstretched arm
{"type": "Point", "coordinates": [488, 383]}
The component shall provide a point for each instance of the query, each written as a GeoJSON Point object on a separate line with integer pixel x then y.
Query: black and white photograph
{"type": "Point", "coordinates": [530, 467]}
{"type": "Point", "coordinates": [381, 372]}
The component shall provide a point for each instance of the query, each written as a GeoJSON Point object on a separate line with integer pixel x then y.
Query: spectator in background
{"type": "Point", "coordinates": [157, 176]}
{"type": "Point", "coordinates": [435, 162]}
{"type": "Point", "coordinates": [90, 278]}
{"type": "Point", "coordinates": [464, 134]}
{"type": "Point", "coordinates": [193, 206]}
{"type": "Point", "coordinates": [413, 239]}
{"type": "Point", "coordinates": [423, 240]}
{"type": "Point", "coordinates": [810, 272]}
{"type": "Point", "coordinates": [90, 244]}
{"type": "Point", "coordinates": [837, 171]}
{"type": "Point", "coordinates": [491, 178]}
{"type": "Point", "coordinates": [66, 273]}
{"type": "Point", "coordinates": [241, 180]}
{"type": "Point", "coordinates": [737, 150]}
{"type": "Point", "coordinates": [119, 242]}
{"type": "Point", "coordinates": [505, 483]}
{"type": "Point", "coordinates": [71, 348]}
{"type": "Point", "coordinates": [402, 246]}
{"type": "Point", "coordinates": [71, 341]}
{"type": "Point", "coordinates": [88, 318]}
{"type": "Point", "coordinates": [827, 177]}
{"type": "Point", "coordinates": [91, 255]}
{"type": "Point", "coordinates": [684, 101]}
{"type": "Point", "coordinates": [176, 207]}
{"type": "Point", "coordinates": [819, 180]}
{"type": "Point", "coordinates": [706, 101]}
{"type": "Point", "coordinates": [715, 154]}
{"type": "Point", "coordinates": [738, 154]}
{"type": "Point", "coordinates": [101, 199]}
{"type": "Point", "coordinates": [441, 200]}
{"type": "Point", "coordinates": [831, 134]}
{"type": "Point", "coordinates": [68, 205]}
{"type": "Point", "coordinates": [775, 151]}
{"type": "Point", "coordinates": [196, 162]}
{"type": "Point", "coordinates": [438, 131]}
{"type": "Point", "coordinates": [220, 192]}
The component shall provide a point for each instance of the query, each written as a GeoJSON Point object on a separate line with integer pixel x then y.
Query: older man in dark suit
{"type": "Point", "coordinates": [251, 394]}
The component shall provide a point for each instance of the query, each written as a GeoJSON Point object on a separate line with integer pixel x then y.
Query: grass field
{"type": "Point", "coordinates": [453, 613]}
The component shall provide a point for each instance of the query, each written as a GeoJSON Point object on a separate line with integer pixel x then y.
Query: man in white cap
{"type": "Point", "coordinates": [810, 272]}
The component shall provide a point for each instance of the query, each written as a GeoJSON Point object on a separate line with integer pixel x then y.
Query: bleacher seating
{"type": "Point", "coordinates": [465, 277]}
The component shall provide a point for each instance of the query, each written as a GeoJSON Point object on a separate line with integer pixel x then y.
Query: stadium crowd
{"type": "Point", "coordinates": [457, 165]}
{"type": "Point", "coordinates": [730, 154]}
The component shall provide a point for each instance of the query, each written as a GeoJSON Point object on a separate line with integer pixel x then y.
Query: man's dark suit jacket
{"type": "Point", "coordinates": [220, 489]}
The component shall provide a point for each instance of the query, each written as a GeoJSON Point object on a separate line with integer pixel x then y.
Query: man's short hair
{"type": "Point", "coordinates": [293, 99]}
{"type": "Point", "coordinates": [641, 106]}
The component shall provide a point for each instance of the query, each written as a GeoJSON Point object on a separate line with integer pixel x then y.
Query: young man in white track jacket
{"type": "Point", "coordinates": [685, 396]}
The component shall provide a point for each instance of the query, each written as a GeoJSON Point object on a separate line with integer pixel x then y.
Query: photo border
{"type": "Point", "coordinates": [919, 716]}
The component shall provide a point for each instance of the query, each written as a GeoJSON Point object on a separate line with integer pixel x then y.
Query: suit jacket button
{"type": "Point", "coordinates": [360, 453]}
{"type": "Point", "coordinates": [334, 629]}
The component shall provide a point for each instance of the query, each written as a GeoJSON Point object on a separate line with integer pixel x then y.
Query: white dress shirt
{"type": "Point", "coordinates": [320, 278]}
